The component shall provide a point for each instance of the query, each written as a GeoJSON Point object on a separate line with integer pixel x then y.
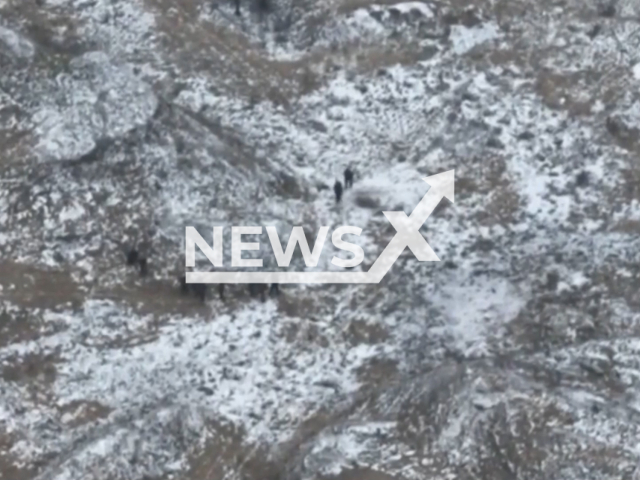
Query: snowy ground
{"type": "Point", "coordinates": [514, 357]}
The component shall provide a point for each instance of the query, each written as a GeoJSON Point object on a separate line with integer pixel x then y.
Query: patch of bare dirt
{"type": "Point", "coordinates": [9, 466]}
{"type": "Point", "coordinates": [620, 285]}
{"type": "Point", "coordinates": [502, 208]}
{"type": "Point", "coordinates": [202, 46]}
{"type": "Point", "coordinates": [156, 298]}
{"type": "Point", "coordinates": [361, 474]}
{"type": "Point", "coordinates": [295, 305]}
{"type": "Point", "coordinates": [377, 371]}
{"type": "Point", "coordinates": [18, 326]}
{"type": "Point", "coordinates": [17, 146]}
{"type": "Point", "coordinates": [53, 32]}
{"type": "Point", "coordinates": [502, 203]}
{"type": "Point", "coordinates": [557, 90]}
{"type": "Point", "coordinates": [628, 226]}
{"type": "Point", "coordinates": [360, 332]}
{"type": "Point", "coordinates": [31, 367]}
{"type": "Point", "coordinates": [489, 172]}
{"type": "Point", "coordinates": [225, 453]}
{"type": "Point", "coordinates": [28, 286]}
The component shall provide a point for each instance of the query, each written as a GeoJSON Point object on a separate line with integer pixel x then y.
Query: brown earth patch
{"type": "Point", "coordinates": [630, 184]}
{"type": "Point", "coordinates": [502, 202]}
{"type": "Point", "coordinates": [296, 306]}
{"type": "Point", "coordinates": [314, 423]}
{"type": "Point", "coordinates": [225, 452]}
{"type": "Point", "coordinates": [559, 90]}
{"type": "Point", "coordinates": [627, 226]}
{"type": "Point", "coordinates": [370, 59]}
{"type": "Point", "coordinates": [620, 286]}
{"type": "Point", "coordinates": [377, 371]}
{"type": "Point", "coordinates": [36, 287]}
{"type": "Point", "coordinates": [17, 146]}
{"type": "Point", "coordinates": [489, 173]}
{"type": "Point", "coordinates": [199, 45]}
{"type": "Point", "coordinates": [9, 465]}
{"type": "Point", "coordinates": [360, 332]}
{"type": "Point", "coordinates": [51, 30]}
{"type": "Point", "coordinates": [361, 474]}
{"type": "Point", "coordinates": [502, 207]}
{"type": "Point", "coordinates": [19, 326]}
{"type": "Point", "coordinates": [157, 297]}
{"type": "Point", "coordinates": [572, 91]}
{"type": "Point", "coordinates": [202, 46]}
{"type": "Point", "coordinates": [534, 328]}
{"type": "Point", "coordinates": [305, 333]}
{"type": "Point", "coordinates": [31, 367]}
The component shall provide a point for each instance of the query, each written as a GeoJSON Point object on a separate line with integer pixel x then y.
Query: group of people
{"type": "Point", "coordinates": [136, 259]}
{"type": "Point", "coordinates": [199, 290]}
{"type": "Point", "coordinates": [348, 182]}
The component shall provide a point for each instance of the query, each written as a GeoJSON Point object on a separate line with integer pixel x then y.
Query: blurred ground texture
{"type": "Point", "coordinates": [515, 357]}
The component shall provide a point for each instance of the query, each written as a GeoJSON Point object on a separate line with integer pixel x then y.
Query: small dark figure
{"type": "Point", "coordinates": [274, 290]}
{"type": "Point", "coordinates": [258, 288]}
{"type": "Point", "coordinates": [237, 7]}
{"type": "Point", "coordinates": [200, 291]}
{"type": "Point", "coordinates": [582, 179]}
{"type": "Point", "coordinates": [132, 257]}
{"type": "Point", "coordinates": [607, 11]}
{"type": "Point", "coordinates": [348, 178]}
{"type": "Point", "coordinates": [337, 189]}
{"type": "Point", "coordinates": [144, 269]}
{"type": "Point", "coordinates": [221, 290]}
{"type": "Point", "coordinates": [184, 286]}
{"type": "Point", "coordinates": [612, 127]}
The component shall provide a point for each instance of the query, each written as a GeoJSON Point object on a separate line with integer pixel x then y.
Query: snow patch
{"type": "Point", "coordinates": [464, 38]}
{"type": "Point", "coordinates": [407, 7]}
{"type": "Point", "coordinates": [107, 104]}
{"type": "Point", "coordinates": [19, 46]}
{"type": "Point", "coordinates": [238, 366]}
{"type": "Point", "coordinates": [475, 310]}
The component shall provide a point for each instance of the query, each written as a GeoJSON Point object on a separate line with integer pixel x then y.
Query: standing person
{"type": "Point", "coordinates": [220, 286]}
{"type": "Point", "coordinates": [184, 286]}
{"type": "Point", "coordinates": [237, 2]}
{"type": "Point", "coordinates": [258, 288]}
{"type": "Point", "coordinates": [337, 189]}
{"type": "Point", "coordinates": [348, 178]}
{"type": "Point", "coordinates": [144, 267]}
{"type": "Point", "coordinates": [132, 256]}
{"type": "Point", "coordinates": [200, 291]}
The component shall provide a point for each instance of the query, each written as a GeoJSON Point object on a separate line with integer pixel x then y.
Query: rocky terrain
{"type": "Point", "coordinates": [515, 357]}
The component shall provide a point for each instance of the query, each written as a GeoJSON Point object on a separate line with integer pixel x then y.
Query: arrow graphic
{"type": "Point", "coordinates": [408, 228]}
{"type": "Point", "coordinates": [407, 235]}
